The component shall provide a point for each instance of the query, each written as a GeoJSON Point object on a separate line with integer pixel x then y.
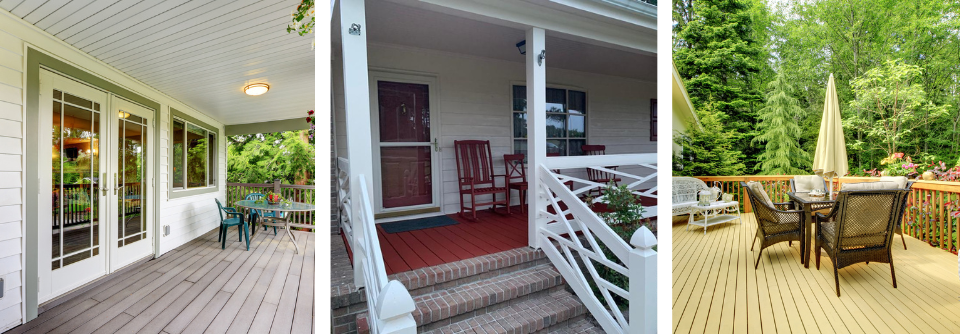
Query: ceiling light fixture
{"type": "Point", "coordinates": [256, 89]}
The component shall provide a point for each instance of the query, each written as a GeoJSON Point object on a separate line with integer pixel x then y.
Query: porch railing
{"type": "Point", "coordinates": [389, 305]}
{"type": "Point", "coordinates": [79, 204]}
{"type": "Point", "coordinates": [600, 248]}
{"type": "Point", "coordinates": [932, 215]}
{"type": "Point", "coordinates": [297, 193]}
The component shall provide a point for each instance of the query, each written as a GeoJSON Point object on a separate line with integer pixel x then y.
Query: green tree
{"type": "Point", "coordinates": [718, 54]}
{"type": "Point", "coordinates": [781, 132]}
{"type": "Point", "coordinates": [893, 105]}
{"type": "Point", "coordinates": [264, 157]}
{"type": "Point", "coordinates": [708, 152]}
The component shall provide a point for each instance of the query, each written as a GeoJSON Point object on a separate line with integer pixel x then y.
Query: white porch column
{"type": "Point", "coordinates": [536, 129]}
{"type": "Point", "coordinates": [356, 91]}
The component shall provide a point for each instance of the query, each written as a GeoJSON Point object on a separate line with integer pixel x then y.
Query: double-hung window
{"type": "Point", "coordinates": [193, 161]}
{"type": "Point", "coordinates": [566, 121]}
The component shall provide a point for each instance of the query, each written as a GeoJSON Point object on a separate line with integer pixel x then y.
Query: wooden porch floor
{"type": "Point", "coordinates": [199, 288]}
{"type": "Point", "coordinates": [716, 291]}
{"type": "Point", "coordinates": [491, 233]}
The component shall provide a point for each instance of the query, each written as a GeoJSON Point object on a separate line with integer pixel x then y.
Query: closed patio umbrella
{"type": "Point", "coordinates": [830, 159]}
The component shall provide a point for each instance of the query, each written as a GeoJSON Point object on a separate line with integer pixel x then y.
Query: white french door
{"type": "Point", "coordinates": [406, 142]}
{"type": "Point", "coordinates": [93, 215]}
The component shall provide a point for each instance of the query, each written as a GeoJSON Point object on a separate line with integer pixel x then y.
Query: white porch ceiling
{"type": "Point", "coordinates": [200, 52]}
{"type": "Point", "coordinates": [398, 24]}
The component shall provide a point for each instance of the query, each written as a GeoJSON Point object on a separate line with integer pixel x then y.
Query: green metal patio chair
{"type": "Point", "coordinates": [255, 215]}
{"type": "Point", "coordinates": [226, 223]}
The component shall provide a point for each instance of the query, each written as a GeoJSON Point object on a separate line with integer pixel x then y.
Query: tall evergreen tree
{"type": "Point", "coordinates": [710, 151]}
{"type": "Point", "coordinates": [780, 129]}
{"type": "Point", "coordinates": [718, 54]}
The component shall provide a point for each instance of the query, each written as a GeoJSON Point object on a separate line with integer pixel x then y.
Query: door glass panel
{"type": "Point", "coordinates": [130, 221]}
{"type": "Point", "coordinates": [404, 112]}
{"type": "Point", "coordinates": [406, 175]}
{"type": "Point", "coordinates": [75, 163]}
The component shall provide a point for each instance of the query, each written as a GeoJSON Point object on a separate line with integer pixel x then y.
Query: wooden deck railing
{"type": "Point", "coordinates": [932, 215]}
{"type": "Point", "coordinates": [297, 193]}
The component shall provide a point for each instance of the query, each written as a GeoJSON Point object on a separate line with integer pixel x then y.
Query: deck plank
{"type": "Point", "coordinates": [716, 291]}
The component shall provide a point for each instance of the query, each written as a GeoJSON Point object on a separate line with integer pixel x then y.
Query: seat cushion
{"type": "Point", "coordinates": [807, 183]}
{"type": "Point", "coordinates": [901, 181]}
{"type": "Point", "coordinates": [757, 188]}
{"type": "Point", "coordinates": [878, 185]}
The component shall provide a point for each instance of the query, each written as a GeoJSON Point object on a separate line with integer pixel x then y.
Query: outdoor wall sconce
{"type": "Point", "coordinates": [522, 46]}
{"type": "Point", "coordinates": [256, 89]}
{"type": "Point", "coordinates": [354, 29]}
{"type": "Point", "coordinates": [541, 57]}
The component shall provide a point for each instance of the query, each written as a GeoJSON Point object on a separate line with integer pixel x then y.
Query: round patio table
{"type": "Point", "coordinates": [281, 222]}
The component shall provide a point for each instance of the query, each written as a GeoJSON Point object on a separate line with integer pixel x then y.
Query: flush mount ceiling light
{"type": "Point", "coordinates": [256, 89]}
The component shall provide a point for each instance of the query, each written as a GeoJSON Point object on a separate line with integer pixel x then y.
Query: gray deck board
{"type": "Point", "coordinates": [199, 288]}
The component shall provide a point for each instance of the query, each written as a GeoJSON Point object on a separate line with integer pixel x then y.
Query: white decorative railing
{"type": "Point", "coordinates": [559, 224]}
{"type": "Point", "coordinates": [343, 196]}
{"type": "Point", "coordinates": [389, 305]}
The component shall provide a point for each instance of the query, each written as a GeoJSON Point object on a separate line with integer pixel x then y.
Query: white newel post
{"type": "Point", "coordinates": [643, 282]}
{"type": "Point", "coordinates": [536, 128]}
{"type": "Point", "coordinates": [395, 308]}
{"type": "Point", "coordinates": [356, 91]}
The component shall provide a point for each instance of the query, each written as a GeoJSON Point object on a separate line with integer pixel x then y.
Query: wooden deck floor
{"type": "Point", "coordinates": [491, 233]}
{"type": "Point", "coordinates": [716, 290]}
{"type": "Point", "coordinates": [199, 288]}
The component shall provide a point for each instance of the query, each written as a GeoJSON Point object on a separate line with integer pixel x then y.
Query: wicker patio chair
{"type": "Point", "coordinates": [806, 183]}
{"type": "Point", "coordinates": [775, 222]}
{"type": "Point", "coordinates": [860, 229]}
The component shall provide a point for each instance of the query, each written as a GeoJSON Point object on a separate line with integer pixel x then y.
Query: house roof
{"type": "Point", "coordinates": [682, 107]}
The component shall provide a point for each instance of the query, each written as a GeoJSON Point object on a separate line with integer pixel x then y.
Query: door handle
{"type": "Point", "coordinates": [436, 145]}
{"type": "Point", "coordinates": [103, 185]}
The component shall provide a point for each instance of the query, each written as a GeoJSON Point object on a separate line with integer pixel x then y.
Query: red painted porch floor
{"type": "Point", "coordinates": [490, 233]}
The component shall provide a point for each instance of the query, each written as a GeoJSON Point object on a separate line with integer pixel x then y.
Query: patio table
{"type": "Point", "coordinates": [279, 222]}
{"type": "Point", "coordinates": [808, 203]}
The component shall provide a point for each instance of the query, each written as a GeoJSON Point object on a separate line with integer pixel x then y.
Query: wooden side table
{"type": "Point", "coordinates": [713, 214]}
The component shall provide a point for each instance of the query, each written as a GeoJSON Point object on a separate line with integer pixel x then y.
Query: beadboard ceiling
{"type": "Point", "coordinates": [200, 52]}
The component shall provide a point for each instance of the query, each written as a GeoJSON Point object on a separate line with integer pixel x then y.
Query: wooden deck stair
{"type": "Point", "coordinates": [515, 291]}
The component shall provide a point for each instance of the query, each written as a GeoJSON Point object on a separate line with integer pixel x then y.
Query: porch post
{"type": "Point", "coordinates": [356, 91]}
{"type": "Point", "coordinates": [536, 129]}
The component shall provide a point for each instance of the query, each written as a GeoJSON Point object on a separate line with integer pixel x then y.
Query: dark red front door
{"type": "Point", "coordinates": [406, 163]}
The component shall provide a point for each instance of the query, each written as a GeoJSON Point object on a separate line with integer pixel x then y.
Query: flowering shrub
{"type": "Point", "coordinates": [898, 165]}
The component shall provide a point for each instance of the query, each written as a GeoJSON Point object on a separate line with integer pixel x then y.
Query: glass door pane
{"type": "Point", "coordinates": [405, 153]}
{"type": "Point", "coordinates": [131, 225]}
{"type": "Point", "coordinates": [76, 159]}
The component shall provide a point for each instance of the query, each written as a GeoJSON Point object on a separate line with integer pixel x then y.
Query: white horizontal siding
{"type": "Point", "coordinates": [11, 180]}
{"type": "Point", "coordinates": [475, 102]}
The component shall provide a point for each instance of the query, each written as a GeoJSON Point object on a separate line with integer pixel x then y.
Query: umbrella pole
{"type": "Point", "coordinates": [830, 186]}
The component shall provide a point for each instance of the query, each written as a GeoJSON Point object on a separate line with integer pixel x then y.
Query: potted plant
{"type": "Point", "coordinates": [273, 199]}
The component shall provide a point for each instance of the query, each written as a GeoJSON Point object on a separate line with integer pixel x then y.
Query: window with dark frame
{"type": "Point", "coordinates": [566, 121]}
{"type": "Point", "coordinates": [653, 119]}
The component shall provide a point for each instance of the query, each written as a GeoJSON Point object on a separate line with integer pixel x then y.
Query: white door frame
{"type": "Point", "coordinates": [122, 256]}
{"type": "Point", "coordinates": [109, 258]}
{"type": "Point", "coordinates": [55, 283]}
{"type": "Point", "coordinates": [432, 83]}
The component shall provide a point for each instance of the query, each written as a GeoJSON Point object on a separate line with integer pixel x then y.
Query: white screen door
{"type": "Point", "coordinates": [406, 147]}
{"type": "Point", "coordinates": [93, 201]}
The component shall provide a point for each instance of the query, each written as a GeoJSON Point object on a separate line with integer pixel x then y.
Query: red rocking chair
{"type": "Point", "coordinates": [515, 170]}
{"type": "Point", "coordinates": [599, 176]}
{"type": "Point", "coordinates": [475, 175]}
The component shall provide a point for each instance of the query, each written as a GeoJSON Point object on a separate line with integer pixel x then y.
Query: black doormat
{"type": "Point", "coordinates": [417, 224]}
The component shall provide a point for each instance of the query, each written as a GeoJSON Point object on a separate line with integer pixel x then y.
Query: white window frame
{"type": "Point", "coordinates": [566, 89]}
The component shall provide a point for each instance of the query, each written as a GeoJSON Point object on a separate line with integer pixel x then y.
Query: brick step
{"type": "Point", "coordinates": [583, 326]}
{"type": "Point", "coordinates": [538, 314]}
{"type": "Point", "coordinates": [451, 305]}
